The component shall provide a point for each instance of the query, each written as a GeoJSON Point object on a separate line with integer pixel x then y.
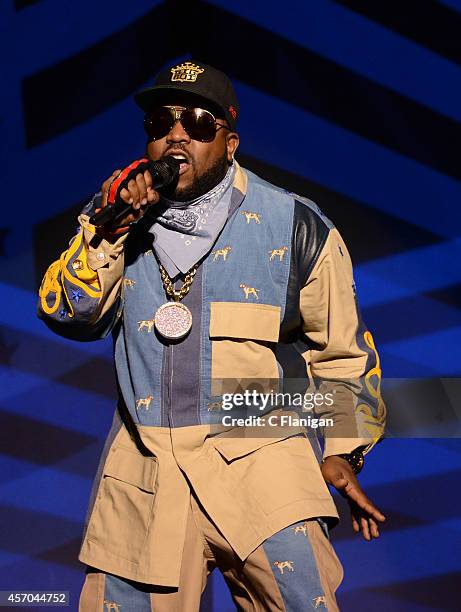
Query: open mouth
{"type": "Point", "coordinates": [184, 162]}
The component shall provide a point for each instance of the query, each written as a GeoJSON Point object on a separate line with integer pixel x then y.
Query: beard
{"type": "Point", "coordinates": [201, 185]}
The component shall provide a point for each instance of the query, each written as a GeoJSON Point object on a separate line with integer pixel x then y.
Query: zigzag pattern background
{"type": "Point", "coordinates": [356, 105]}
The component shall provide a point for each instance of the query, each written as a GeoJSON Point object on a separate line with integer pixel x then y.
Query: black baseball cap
{"type": "Point", "coordinates": [195, 79]}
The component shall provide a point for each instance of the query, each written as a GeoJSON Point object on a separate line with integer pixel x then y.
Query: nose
{"type": "Point", "coordinates": [177, 133]}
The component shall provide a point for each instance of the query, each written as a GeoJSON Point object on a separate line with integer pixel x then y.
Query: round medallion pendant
{"type": "Point", "coordinates": [173, 320]}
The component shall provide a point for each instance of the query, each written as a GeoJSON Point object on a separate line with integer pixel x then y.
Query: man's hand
{"type": "Point", "coordinates": [364, 514]}
{"type": "Point", "coordinates": [139, 194]}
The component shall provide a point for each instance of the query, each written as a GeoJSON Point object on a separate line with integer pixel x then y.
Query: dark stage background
{"type": "Point", "coordinates": [354, 104]}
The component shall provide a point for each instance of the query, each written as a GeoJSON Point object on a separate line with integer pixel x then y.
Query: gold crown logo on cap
{"type": "Point", "coordinates": [186, 72]}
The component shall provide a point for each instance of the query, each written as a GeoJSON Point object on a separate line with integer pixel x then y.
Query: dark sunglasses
{"type": "Point", "coordinates": [198, 123]}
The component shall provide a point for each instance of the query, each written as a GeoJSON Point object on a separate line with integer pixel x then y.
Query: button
{"type": "Point", "coordinates": [100, 256]}
{"type": "Point", "coordinates": [77, 264]}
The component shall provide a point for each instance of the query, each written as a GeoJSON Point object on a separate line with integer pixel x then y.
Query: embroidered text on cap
{"type": "Point", "coordinates": [186, 72]}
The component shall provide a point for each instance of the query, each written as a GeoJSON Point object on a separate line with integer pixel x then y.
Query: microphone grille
{"type": "Point", "coordinates": [168, 168]}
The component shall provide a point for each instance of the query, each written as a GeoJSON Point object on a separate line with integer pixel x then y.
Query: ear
{"type": "Point", "coordinates": [232, 142]}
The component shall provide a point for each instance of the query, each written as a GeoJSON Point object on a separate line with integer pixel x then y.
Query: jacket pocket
{"type": "Point", "coordinates": [243, 338]}
{"type": "Point", "coordinates": [123, 509]}
{"type": "Point", "coordinates": [276, 472]}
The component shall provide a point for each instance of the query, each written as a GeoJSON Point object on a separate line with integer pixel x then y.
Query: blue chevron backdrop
{"type": "Point", "coordinates": [354, 104]}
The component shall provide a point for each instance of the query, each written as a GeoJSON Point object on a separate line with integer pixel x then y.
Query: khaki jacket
{"type": "Point", "coordinates": [250, 486]}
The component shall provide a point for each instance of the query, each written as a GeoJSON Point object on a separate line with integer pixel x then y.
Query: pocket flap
{"type": "Point", "coordinates": [133, 468]}
{"type": "Point", "coordinates": [238, 445]}
{"type": "Point", "coordinates": [240, 320]}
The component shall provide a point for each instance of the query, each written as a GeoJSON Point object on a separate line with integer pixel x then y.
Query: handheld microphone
{"type": "Point", "coordinates": [163, 172]}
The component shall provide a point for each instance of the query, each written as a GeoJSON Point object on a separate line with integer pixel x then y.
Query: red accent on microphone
{"type": "Point", "coordinates": [122, 176]}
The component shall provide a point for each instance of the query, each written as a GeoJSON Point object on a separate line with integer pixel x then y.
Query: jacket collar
{"type": "Point", "coordinates": [240, 179]}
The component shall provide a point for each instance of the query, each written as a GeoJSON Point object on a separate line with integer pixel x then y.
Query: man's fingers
{"type": "Point", "coordinates": [142, 188]}
{"type": "Point", "coordinates": [365, 528]}
{"type": "Point", "coordinates": [358, 496]}
{"type": "Point", "coordinates": [369, 528]}
{"type": "Point", "coordinates": [369, 508]}
{"type": "Point", "coordinates": [134, 192]}
{"type": "Point", "coordinates": [152, 195]}
{"type": "Point", "coordinates": [355, 524]}
{"type": "Point", "coordinates": [379, 516]}
{"type": "Point", "coordinates": [148, 179]}
{"type": "Point", "coordinates": [361, 521]}
{"type": "Point", "coordinates": [126, 196]}
{"type": "Point", "coordinates": [138, 193]}
{"type": "Point", "coordinates": [106, 186]}
{"type": "Point", "coordinates": [373, 528]}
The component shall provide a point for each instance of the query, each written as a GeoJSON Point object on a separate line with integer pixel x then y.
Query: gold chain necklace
{"type": "Point", "coordinates": [173, 320]}
{"type": "Point", "coordinates": [169, 287]}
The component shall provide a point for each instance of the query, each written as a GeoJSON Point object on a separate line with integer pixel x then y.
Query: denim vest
{"type": "Point", "coordinates": [249, 263]}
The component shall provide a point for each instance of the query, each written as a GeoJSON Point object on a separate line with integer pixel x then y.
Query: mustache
{"type": "Point", "coordinates": [176, 147]}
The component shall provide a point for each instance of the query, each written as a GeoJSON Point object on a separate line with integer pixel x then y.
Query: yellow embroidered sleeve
{"type": "Point", "coordinates": [84, 283]}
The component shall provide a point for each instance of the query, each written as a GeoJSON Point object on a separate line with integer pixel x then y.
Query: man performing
{"type": "Point", "coordinates": [217, 281]}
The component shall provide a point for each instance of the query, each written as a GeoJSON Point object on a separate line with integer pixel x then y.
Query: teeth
{"type": "Point", "coordinates": [181, 157]}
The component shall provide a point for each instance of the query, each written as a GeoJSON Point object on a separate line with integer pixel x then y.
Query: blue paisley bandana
{"type": "Point", "coordinates": [186, 231]}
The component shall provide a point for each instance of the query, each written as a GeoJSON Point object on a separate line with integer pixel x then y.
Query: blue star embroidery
{"type": "Point", "coordinates": [62, 313]}
{"type": "Point", "coordinates": [77, 295]}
